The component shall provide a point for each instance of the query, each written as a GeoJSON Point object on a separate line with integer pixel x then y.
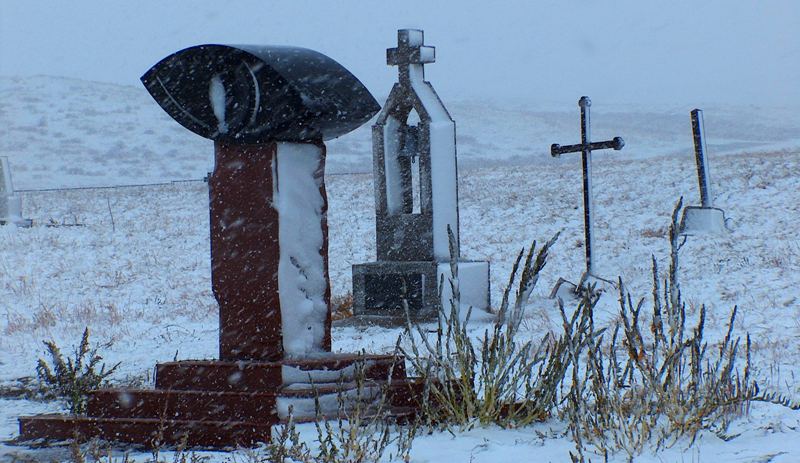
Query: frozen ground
{"type": "Point", "coordinates": [137, 271]}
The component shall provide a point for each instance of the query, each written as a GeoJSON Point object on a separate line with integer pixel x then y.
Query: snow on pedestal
{"type": "Point", "coordinates": [703, 220]}
{"type": "Point", "coordinates": [471, 284]}
{"type": "Point", "coordinates": [302, 282]}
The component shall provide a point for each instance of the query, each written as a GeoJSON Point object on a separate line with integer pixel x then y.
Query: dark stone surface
{"type": "Point", "coordinates": [245, 252]}
{"type": "Point", "coordinates": [378, 289]}
{"type": "Point", "coordinates": [149, 432]}
{"type": "Point", "coordinates": [273, 93]}
{"type": "Point", "coordinates": [212, 403]}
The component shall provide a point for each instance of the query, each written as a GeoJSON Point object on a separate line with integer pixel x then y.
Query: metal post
{"type": "Point", "coordinates": [586, 157]}
{"type": "Point", "coordinates": [700, 156]}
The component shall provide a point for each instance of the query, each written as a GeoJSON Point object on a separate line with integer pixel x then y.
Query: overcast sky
{"type": "Point", "coordinates": [633, 51]}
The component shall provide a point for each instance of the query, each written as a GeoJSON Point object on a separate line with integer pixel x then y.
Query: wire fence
{"type": "Point", "coordinates": [140, 185]}
{"type": "Point", "coordinates": [111, 187]}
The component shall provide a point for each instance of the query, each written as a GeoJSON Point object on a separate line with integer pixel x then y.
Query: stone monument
{"type": "Point", "coordinates": [268, 111]}
{"type": "Point", "coordinates": [416, 200]}
{"type": "Point", "coordinates": [10, 203]}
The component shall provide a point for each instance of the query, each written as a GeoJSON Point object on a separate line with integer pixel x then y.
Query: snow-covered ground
{"type": "Point", "coordinates": [136, 270]}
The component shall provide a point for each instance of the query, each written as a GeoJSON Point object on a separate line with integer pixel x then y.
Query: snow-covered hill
{"type": "Point", "coordinates": [60, 132]}
{"type": "Point", "coordinates": [137, 270]}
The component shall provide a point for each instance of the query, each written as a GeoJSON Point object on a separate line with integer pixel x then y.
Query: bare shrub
{"type": "Point", "coordinates": [72, 379]}
{"type": "Point", "coordinates": [94, 452]}
{"type": "Point", "coordinates": [496, 379]}
{"type": "Point", "coordinates": [658, 383]}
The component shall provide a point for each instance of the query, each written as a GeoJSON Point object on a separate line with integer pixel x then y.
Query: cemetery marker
{"type": "Point", "coordinates": [416, 201]}
{"type": "Point", "coordinates": [268, 111]}
{"type": "Point", "coordinates": [586, 147]}
{"type": "Point", "coordinates": [10, 203]}
{"type": "Point", "coordinates": [706, 218]}
{"type": "Point", "coordinates": [698, 128]}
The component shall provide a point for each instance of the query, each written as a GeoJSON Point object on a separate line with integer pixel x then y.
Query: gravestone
{"type": "Point", "coordinates": [585, 147]}
{"type": "Point", "coordinates": [268, 111]}
{"type": "Point", "coordinates": [10, 203]}
{"type": "Point", "coordinates": [704, 218]}
{"type": "Point", "coordinates": [416, 200]}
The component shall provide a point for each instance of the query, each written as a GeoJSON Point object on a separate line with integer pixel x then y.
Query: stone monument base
{"type": "Point", "coordinates": [703, 220]}
{"type": "Point", "coordinates": [382, 289]}
{"type": "Point", "coordinates": [216, 404]}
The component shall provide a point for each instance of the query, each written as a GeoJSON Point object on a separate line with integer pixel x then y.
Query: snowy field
{"type": "Point", "coordinates": [136, 268]}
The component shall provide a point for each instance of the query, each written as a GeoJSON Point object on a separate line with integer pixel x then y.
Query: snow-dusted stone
{"type": "Point", "coordinates": [10, 203]}
{"type": "Point", "coordinates": [416, 197]}
{"type": "Point", "coordinates": [269, 250]}
{"type": "Point", "coordinates": [703, 220]}
{"type": "Point", "coordinates": [268, 110]}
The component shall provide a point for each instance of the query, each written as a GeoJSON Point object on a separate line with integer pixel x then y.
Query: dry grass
{"type": "Point", "coordinates": [342, 307]}
{"type": "Point", "coordinates": [497, 379]}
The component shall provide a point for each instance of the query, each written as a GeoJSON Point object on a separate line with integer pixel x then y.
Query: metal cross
{"type": "Point", "coordinates": [409, 51]}
{"type": "Point", "coordinates": [586, 147]}
{"type": "Point", "coordinates": [698, 130]}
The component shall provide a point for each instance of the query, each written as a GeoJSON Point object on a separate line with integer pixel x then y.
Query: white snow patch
{"type": "Point", "coordinates": [216, 94]}
{"type": "Point", "coordinates": [709, 220]}
{"type": "Point", "coordinates": [295, 375]}
{"type": "Point", "coordinates": [427, 54]}
{"type": "Point", "coordinates": [415, 37]}
{"type": "Point", "coordinates": [473, 284]}
{"type": "Point", "coordinates": [391, 148]}
{"type": "Point", "coordinates": [328, 403]}
{"type": "Point", "coordinates": [301, 276]}
{"type": "Point", "coordinates": [443, 186]}
{"type": "Point", "coordinates": [443, 164]}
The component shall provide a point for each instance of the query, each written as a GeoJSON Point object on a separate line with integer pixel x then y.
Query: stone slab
{"type": "Point", "coordinates": [183, 405]}
{"type": "Point", "coordinates": [144, 431]}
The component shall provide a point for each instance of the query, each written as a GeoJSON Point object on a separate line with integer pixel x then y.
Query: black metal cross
{"type": "Point", "coordinates": [410, 50]}
{"type": "Point", "coordinates": [586, 147]}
